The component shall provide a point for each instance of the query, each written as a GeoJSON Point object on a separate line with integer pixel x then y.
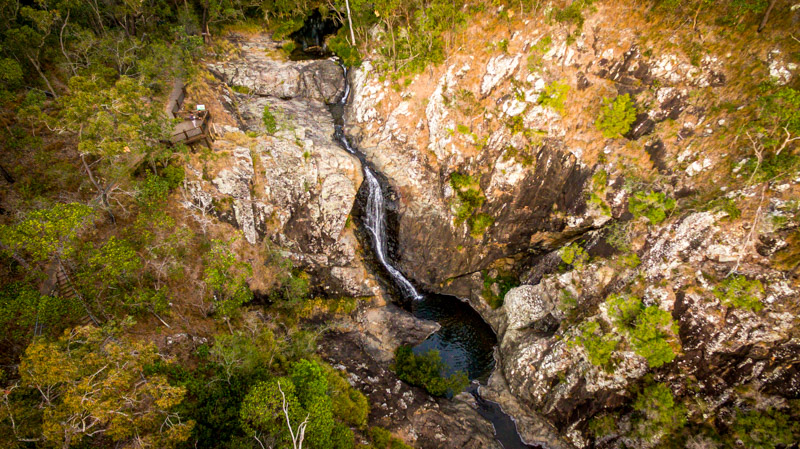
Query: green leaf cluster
{"type": "Point", "coordinates": [470, 199]}
{"type": "Point", "coordinates": [305, 394]}
{"type": "Point", "coordinates": [616, 116]}
{"type": "Point", "coordinates": [427, 371]}
{"type": "Point", "coordinates": [657, 411]}
{"type": "Point", "coordinates": [651, 332]}
{"type": "Point", "coordinates": [740, 292]}
{"type": "Point", "coordinates": [653, 205]}
{"type": "Point", "coordinates": [764, 429]}
{"type": "Point", "coordinates": [599, 346]}
{"type": "Point", "coordinates": [554, 95]}
{"type": "Point", "coordinates": [574, 255]}
{"type": "Point", "coordinates": [226, 278]}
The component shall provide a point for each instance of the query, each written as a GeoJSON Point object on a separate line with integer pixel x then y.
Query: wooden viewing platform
{"type": "Point", "coordinates": [196, 126]}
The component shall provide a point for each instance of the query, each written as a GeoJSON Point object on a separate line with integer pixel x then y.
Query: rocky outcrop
{"type": "Point", "coordinates": [254, 70]}
{"type": "Point", "coordinates": [384, 329]}
{"type": "Point", "coordinates": [296, 186]}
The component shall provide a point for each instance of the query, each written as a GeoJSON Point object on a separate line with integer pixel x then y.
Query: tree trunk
{"type": "Point", "coordinates": [38, 68]}
{"type": "Point", "coordinates": [350, 21]}
{"type": "Point", "coordinates": [766, 15]}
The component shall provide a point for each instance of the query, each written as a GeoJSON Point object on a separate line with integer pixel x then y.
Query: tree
{"type": "Point", "coordinates": [271, 413]}
{"type": "Point", "coordinates": [118, 128]}
{"type": "Point", "coordinates": [45, 234]}
{"type": "Point", "coordinates": [91, 384]}
{"type": "Point", "coordinates": [226, 279]}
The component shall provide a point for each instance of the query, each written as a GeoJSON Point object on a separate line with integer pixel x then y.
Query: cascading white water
{"type": "Point", "coordinates": [375, 220]}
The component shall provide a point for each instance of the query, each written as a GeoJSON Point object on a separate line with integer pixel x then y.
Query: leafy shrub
{"type": "Point", "coordinates": [241, 89]}
{"type": "Point", "coordinates": [737, 291]}
{"type": "Point", "coordinates": [653, 205]}
{"type": "Point", "coordinates": [537, 51]}
{"type": "Point", "coordinates": [382, 439]}
{"type": "Point", "coordinates": [479, 223]}
{"type": "Point", "coordinates": [768, 429]}
{"type": "Point", "coordinates": [470, 199]}
{"type": "Point", "coordinates": [598, 345]}
{"type": "Point", "coordinates": [650, 330]}
{"type": "Point", "coordinates": [603, 425]}
{"type": "Point", "coordinates": [554, 95]}
{"type": "Point", "coordinates": [347, 53]}
{"type": "Point", "coordinates": [349, 404]}
{"type": "Point", "coordinates": [616, 117]}
{"type": "Point", "coordinates": [289, 47]}
{"type": "Point", "coordinates": [652, 336]}
{"type": "Point", "coordinates": [427, 371]}
{"type": "Point", "coordinates": [270, 123]}
{"type": "Point", "coordinates": [657, 412]}
{"type": "Point", "coordinates": [574, 255]}
{"type": "Point", "coordinates": [572, 14]}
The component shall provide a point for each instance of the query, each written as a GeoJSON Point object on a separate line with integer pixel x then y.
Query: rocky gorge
{"type": "Point", "coordinates": [547, 180]}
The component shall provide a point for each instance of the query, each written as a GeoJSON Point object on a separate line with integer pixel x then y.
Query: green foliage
{"type": "Point", "coordinates": [652, 337]}
{"type": "Point", "coordinates": [573, 255]}
{"type": "Point", "coordinates": [479, 223]}
{"type": "Point", "coordinates": [347, 53]}
{"type": "Point", "coordinates": [598, 345]}
{"type": "Point", "coordinates": [270, 123]}
{"type": "Point", "coordinates": [767, 429]}
{"type": "Point", "coordinates": [383, 439]}
{"type": "Point", "coordinates": [427, 371]}
{"type": "Point", "coordinates": [226, 279]}
{"type": "Point", "coordinates": [241, 89]}
{"type": "Point", "coordinates": [618, 236]}
{"type": "Point", "coordinates": [349, 404]}
{"type": "Point", "coordinates": [289, 47]}
{"type": "Point", "coordinates": [22, 308]}
{"type": "Point", "coordinates": [505, 281]}
{"type": "Point", "coordinates": [554, 95]}
{"type": "Point", "coordinates": [616, 116]}
{"type": "Point", "coordinates": [653, 205]}
{"type": "Point", "coordinates": [470, 199]}
{"type": "Point", "coordinates": [651, 331]}
{"type": "Point", "coordinates": [261, 412]}
{"type": "Point", "coordinates": [538, 50]}
{"type": "Point", "coordinates": [623, 310]}
{"type": "Point", "coordinates": [47, 233]}
{"type": "Point", "coordinates": [87, 377]}
{"type": "Point", "coordinates": [417, 32]}
{"type": "Point", "coordinates": [737, 291]}
{"type": "Point", "coordinates": [603, 425]}
{"type": "Point", "coordinates": [306, 395]}
{"type": "Point", "coordinates": [657, 412]}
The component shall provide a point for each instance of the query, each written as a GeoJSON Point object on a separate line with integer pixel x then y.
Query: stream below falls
{"type": "Point", "coordinates": [464, 341]}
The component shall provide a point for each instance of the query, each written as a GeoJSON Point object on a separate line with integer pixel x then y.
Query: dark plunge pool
{"type": "Point", "coordinates": [465, 342]}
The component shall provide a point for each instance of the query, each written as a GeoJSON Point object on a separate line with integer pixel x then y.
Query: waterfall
{"type": "Point", "coordinates": [375, 220]}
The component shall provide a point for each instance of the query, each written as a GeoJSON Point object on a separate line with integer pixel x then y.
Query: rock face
{"type": "Point", "coordinates": [263, 75]}
{"type": "Point", "coordinates": [520, 198]}
{"type": "Point", "coordinates": [384, 329]}
{"type": "Point", "coordinates": [295, 187]}
{"type": "Point", "coordinates": [545, 176]}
